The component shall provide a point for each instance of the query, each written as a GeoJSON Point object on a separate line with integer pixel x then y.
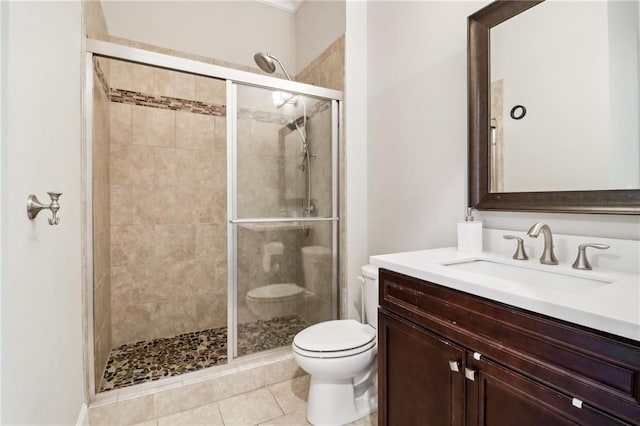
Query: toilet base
{"type": "Point", "coordinates": [347, 402]}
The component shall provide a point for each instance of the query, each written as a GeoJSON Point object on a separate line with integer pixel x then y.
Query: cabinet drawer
{"type": "Point", "coordinates": [497, 396]}
{"type": "Point", "coordinates": [592, 366]}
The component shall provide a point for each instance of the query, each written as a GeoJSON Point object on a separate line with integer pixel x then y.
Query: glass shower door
{"type": "Point", "coordinates": [283, 215]}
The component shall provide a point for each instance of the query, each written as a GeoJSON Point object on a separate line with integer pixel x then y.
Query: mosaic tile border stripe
{"type": "Point", "coordinates": [165, 102]}
{"type": "Point", "coordinates": [100, 74]}
{"type": "Point", "coordinates": [176, 104]}
{"type": "Point", "coordinates": [197, 107]}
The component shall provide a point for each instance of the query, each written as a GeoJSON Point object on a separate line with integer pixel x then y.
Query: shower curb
{"type": "Point", "coordinates": [153, 400]}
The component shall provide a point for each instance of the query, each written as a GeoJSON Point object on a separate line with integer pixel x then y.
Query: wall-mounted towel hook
{"type": "Point", "coordinates": [34, 206]}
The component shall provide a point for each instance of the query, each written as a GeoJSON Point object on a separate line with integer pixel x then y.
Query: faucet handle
{"type": "Point", "coordinates": [581, 261]}
{"type": "Point", "coordinates": [520, 254]}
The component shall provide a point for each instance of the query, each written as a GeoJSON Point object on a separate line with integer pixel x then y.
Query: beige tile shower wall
{"type": "Point", "coordinates": [327, 70]}
{"type": "Point", "coordinates": [168, 208]}
{"type": "Point", "coordinates": [319, 304]}
{"type": "Point", "coordinates": [101, 218]}
{"type": "Point", "coordinates": [192, 56]}
{"type": "Point", "coordinates": [262, 158]}
{"type": "Point", "coordinates": [319, 139]}
{"type": "Point", "coordinates": [94, 23]}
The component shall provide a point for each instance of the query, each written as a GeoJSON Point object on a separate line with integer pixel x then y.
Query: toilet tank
{"type": "Point", "coordinates": [317, 270]}
{"type": "Point", "coordinates": [370, 275]}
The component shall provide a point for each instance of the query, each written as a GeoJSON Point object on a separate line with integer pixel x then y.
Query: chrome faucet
{"type": "Point", "coordinates": [548, 258]}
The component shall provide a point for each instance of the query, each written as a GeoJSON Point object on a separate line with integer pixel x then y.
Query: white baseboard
{"type": "Point", "coordinates": [83, 416]}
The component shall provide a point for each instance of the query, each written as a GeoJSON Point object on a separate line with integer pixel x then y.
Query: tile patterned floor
{"type": "Point", "coordinates": [282, 404]}
{"type": "Point", "coordinates": [150, 360]}
{"type": "Point", "coordinates": [262, 335]}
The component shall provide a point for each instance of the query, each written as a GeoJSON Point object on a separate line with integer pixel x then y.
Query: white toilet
{"type": "Point", "coordinates": [340, 356]}
{"type": "Point", "coordinates": [275, 300]}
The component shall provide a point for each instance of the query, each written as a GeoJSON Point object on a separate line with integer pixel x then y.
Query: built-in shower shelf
{"type": "Point", "coordinates": [275, 226]}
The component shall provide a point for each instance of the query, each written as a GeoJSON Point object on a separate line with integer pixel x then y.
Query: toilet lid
{"type": "Point", "coordinates": [331, 336]}
{"type": "Point", "coordinates": [275, 292]}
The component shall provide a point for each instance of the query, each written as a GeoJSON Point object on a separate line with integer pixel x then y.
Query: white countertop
{"type": "Point", "coordinates": [613, 307]}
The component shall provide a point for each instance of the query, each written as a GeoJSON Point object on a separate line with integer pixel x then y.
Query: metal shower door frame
{"type": "Point", "coordinates": [232, 208]}
{"type": "Point", "coordinates": [233, 77]}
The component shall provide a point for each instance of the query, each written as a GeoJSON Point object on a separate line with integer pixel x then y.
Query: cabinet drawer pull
{"type": "Point", "coordinates": [576, 402]}
{"type": "Point", "coordinates": [454, 366]}
{"type": "Point", "coordinates": [470, 374]}
{"type": "Point", "coordinates": [477, 356]}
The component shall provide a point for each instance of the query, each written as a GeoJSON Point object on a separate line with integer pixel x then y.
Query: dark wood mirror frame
{"type": "Point", "coordinates": [623, 201]}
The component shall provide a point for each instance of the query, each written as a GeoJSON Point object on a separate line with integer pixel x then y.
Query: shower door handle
{"type": "Point", "coordinates": [285, 219]}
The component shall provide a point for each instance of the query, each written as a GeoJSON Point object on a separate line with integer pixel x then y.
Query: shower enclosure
{"type": "Point", "coordinates": [283, 211]}
{"type": "Point", "coordinates": [215, 213]}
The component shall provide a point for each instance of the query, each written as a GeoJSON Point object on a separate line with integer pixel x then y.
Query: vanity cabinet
{"type": "Point", "coordinates": [415, 392]}
{"type": "Point", "coordinates": [450, 358]}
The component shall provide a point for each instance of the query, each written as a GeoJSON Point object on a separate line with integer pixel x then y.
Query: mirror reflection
{"type": "Point", "coordinates": [565, 98]}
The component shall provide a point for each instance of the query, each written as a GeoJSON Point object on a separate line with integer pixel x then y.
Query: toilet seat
{"type": "Point", "coordinates": [334, 354]}
{"type": "Point", "coordinates": [275, 292]}
{"type": "Point", "coordinates": [335, 339]}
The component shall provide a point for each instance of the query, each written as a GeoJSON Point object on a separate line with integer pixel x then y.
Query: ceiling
{"type": "Point", "coordinates": [290, 6]}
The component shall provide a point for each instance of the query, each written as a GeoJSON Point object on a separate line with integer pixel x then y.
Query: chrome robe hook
{"type": "Point", "coordinates": [34, 206]}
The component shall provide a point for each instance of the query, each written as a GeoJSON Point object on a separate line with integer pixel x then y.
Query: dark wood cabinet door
{"type": "Point", "coordinates": [501, 397]}
{"type": "Point", "coordinates": [417, 383]}
{"type": "Point", "coordinates": [601, 369]}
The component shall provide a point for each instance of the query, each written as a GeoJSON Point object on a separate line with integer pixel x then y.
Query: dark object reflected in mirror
{"type": "Point", "coordinates": [492, 184]}
{"type": "Point", "coordinates": [518, 112]}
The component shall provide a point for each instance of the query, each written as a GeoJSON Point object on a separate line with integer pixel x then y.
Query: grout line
{"type": "Point", "coordinates": [220, 412]}
{"type": "Point", "coordinates": [279, 406]}
{"type": "Point", "coordinates": [154, 408]}
{"type": "Point", "coordinates": [274, 397]}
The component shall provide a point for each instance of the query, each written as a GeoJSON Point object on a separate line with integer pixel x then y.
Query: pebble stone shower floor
{"type": "Point", "coordinates": [149, 360]}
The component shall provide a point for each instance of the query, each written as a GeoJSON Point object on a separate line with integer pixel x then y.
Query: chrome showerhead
{"type": "Point", "coordinates": [267, 63]}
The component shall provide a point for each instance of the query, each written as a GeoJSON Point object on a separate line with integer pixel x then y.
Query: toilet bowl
{"type": "Point", "coordinates": [275, 300]}
{"type": "Point", "coordinates": [340, 357]}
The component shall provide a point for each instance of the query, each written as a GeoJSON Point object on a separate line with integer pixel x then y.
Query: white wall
{"type": "Point", "coordinates": [318, 23]}
{"type": "Point", "coordinates": [417, 133]}
{"type": "Point", "coordinates": [3, 26]}
{"type": "Point", "coordinates": [624, 54]}
{"type": "Point", "coordinates": [416, 123]}
{"type": "Point", "coordinates": [42, 358]}
{"type": "Point", "coordinates": [231, 31]}
{"type": "Point", "coordinates": [560, 72]}
{"type": "Point", "coordinates": [356, 150]}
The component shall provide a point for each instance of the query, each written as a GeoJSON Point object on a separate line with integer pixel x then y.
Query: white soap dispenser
{"type": "Point", "coordinates": [470, 235]}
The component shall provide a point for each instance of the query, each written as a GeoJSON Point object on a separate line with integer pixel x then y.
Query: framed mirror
{"type": "Point", "coordinates": [554, 107]}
